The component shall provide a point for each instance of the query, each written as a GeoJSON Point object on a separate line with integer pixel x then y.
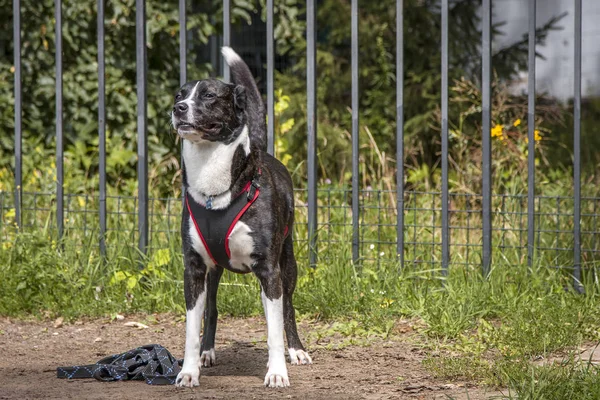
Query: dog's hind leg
{"type": "Point", "coordinates": [207, 351]}
{"type": "Point", "coordinates": [194, 285]}
{"type": "Point", "coordinates": [289, 271]}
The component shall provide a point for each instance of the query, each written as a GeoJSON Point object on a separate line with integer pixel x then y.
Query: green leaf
{"type": "Point", "coordinates": [132, 282]}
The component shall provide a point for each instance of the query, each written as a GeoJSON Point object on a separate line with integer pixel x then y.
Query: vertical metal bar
{"type": "Point", "coordinates": [400, 131]}
{"type": "Point", "coordinates": [182, 70]}
{"type": "Point", "coordinates": [531, 138]}
{"type": "Point", "coordinates": [142, 150]}
{"type": "Point", "coordinates": [182, 43]}
{"type": "Point", "coordinates": [226, 35]}
{"type": "Point", "coordinates": [102, 126]}
{"type": "Point", "coordinates": [486, 100]}
{"type": "Point", "coordinates": [59, 119]}
{"type": "Point", "coordinates": [577, 154]}
{"type": "Point", "coordinates": [270, 84]}
{"type": "Point", "coordinates": [18, 109]}
{"type": "Point", "coordinates": [311, 126]}
{"type": "Point", "coordinates": [355, 171]}
{"type": "Point", "coordinates": [445, 230]}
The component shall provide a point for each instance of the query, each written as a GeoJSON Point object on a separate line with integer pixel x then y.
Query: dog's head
{"type": "Point", "coordinates": [209, 110]}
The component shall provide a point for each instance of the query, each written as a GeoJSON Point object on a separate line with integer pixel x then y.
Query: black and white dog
{"type": "Point", "coordinates": [238, 214]}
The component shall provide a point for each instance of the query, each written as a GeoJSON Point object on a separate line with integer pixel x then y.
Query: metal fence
{"type": "Point", "coordinates": [437, 228]}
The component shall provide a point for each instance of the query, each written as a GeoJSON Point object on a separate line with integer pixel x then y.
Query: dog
{"type": "Point", "coordinates": [238, 215]}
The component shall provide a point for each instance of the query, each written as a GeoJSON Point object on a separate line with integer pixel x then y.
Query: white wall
{"type": "Point", "coordinates": [555, 74]}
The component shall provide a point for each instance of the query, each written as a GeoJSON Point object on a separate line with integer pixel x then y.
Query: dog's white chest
{"type": "Point", "coordinates": [241, 246]}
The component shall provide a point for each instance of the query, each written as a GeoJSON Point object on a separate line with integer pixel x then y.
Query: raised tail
{"type": "Point", "coordinates": [255, 108]}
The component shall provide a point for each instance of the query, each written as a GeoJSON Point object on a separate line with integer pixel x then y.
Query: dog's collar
{"type": "Point", "coordinates": [250, 187]}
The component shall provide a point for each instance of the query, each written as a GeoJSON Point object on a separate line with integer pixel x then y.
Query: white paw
{"type": "Point", "coordinates": [277, 379]}
{"type": "Point", "coordinates": [208, 358]}
{"type": "Point", "coordinates": [188, 378]}
{"type": "Point", "coordinates": [299, 357]}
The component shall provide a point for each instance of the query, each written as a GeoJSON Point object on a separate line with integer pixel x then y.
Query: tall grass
{"type": "Point", "coordinates": [487, 330]}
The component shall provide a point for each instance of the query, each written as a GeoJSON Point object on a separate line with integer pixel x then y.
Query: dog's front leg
{"type": "Point", "coordinates": [272, 299]}
{"type": "Point", "coordinates": [195, 301]}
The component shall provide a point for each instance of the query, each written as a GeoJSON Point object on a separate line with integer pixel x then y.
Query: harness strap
{"type": "Point", "coordinates": [152, 363]}
{"type": "Point", "coordinates": [215, 226]}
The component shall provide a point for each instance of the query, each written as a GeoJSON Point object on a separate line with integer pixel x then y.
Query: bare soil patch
{"type": "Point", "coordinates": [391, 369]}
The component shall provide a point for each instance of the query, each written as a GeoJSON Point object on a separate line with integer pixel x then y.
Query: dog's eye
{"type": "Point", "coordinates": [178, 96]}
{"type": "Point", "coordinates": [209, 95]}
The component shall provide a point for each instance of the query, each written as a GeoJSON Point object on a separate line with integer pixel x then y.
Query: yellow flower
{"type": "Point", "coordinates": [517, 122]}
{"type": "Point", "coordinates": [536, 136]}
{"type": "Point", "coordinates": [497, 131]}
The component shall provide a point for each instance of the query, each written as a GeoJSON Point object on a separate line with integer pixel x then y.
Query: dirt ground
{"type": "Point", "coordinates": [32, 350]}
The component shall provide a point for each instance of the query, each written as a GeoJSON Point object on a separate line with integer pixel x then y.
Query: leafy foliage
{"type": "Point", "coordinates": [377, 86]}
{"type": "Point", "coordinates": [377, 83]}
{"type": "Point", "coordinates": [80, 88]}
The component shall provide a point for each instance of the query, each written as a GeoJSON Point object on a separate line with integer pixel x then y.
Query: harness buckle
{"type": "Point", "coordinates": [254, 185]}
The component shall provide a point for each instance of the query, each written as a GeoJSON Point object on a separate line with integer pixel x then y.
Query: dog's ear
{"type": "Point", "coordinates": [239, 98]}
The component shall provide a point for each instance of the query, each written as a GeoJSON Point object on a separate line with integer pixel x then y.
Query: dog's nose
{"type": "Point", "coordinates": [180, 108]}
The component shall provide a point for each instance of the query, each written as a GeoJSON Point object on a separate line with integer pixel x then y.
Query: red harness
{"type": "Point", "coordinates": [214, 226]}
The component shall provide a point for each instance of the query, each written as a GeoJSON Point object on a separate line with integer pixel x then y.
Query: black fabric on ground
{"type": "Point", "coordinates": [152, 363]}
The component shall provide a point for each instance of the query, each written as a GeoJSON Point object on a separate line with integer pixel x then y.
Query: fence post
{"type": "Point", "coordinates": [486, 100]}
{"type": "Point", "coordinates": [270, 83]}
{"type": "Point", "coordinates": [577, 154]}
{"type": "Point", "coordinates": [355, 135]}
{"type": "Point", "coordinates": [182, 75]}
{"type": "Point", "coordinates": [445, 229]}
{"type": "Point", "coordinates": [226, 35]}
{"type": "Point", "coordinates": [311, 126]}
{"type": "Point", "coordinates": [182, 43]}
{"type": "Point", "coordinates": [400, 131]}
{"type": "Point", "coordinates": [102, 127]}
{"type": "Point", "coordinates": [531, 137]}
{"type": "Point", "coordinates": [18, 110]}
{"type": "Point", "coordinates": [59, 118]}
{"type": "Point", "coordinates": [142, 170]}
